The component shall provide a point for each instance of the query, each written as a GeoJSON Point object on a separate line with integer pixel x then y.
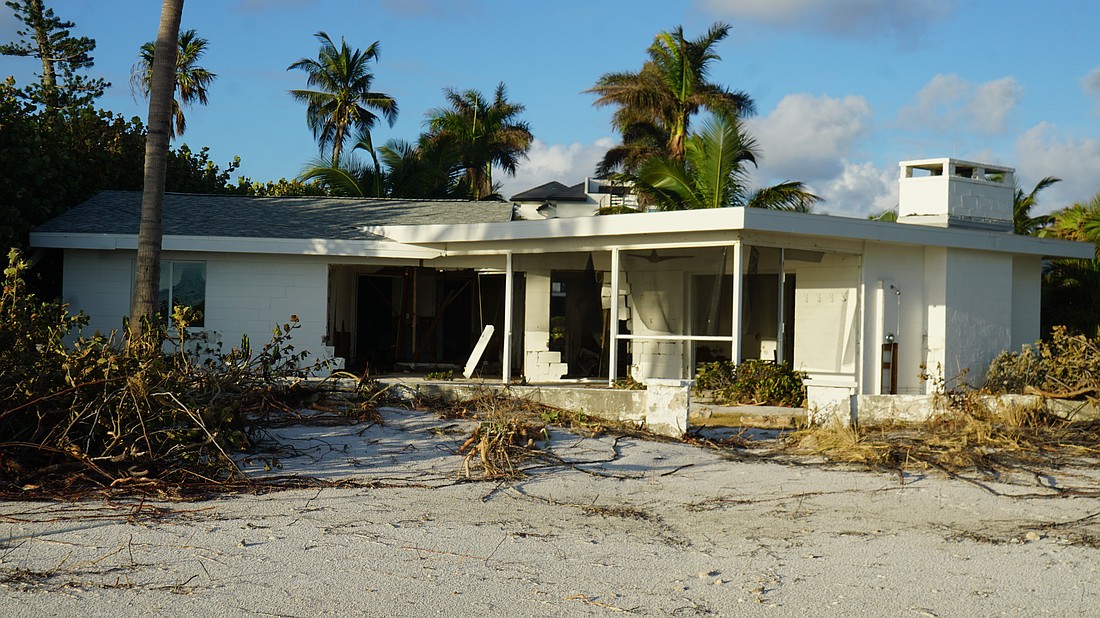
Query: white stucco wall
{"type": "Point", "coordinates": [970, 299]}
{"type": "Point", "coordinates": [902, 313]}
{"type": "Point", "coordinates": [979, 311]}
{"type": "Point", "coordinates": [826, 314]}
{"type": "Point", "coordinates": [1026, 300]}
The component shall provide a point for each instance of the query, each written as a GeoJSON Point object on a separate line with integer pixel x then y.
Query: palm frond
{"type": "Point", "coordinates": [791, 196]}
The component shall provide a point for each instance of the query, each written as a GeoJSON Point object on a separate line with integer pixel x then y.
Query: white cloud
{"type": "Point", "coordinates": [1042, 151]}
{"type": "Point", "coordinates": [949, 103]}
{"type": "Point", "coordinates": [1091, 84]}
{"type": "Point", "coordinates": [565, 163]}
{"type": "Point", "coordinates": [860, 190]}
{"type": "Point", "coordinates": [857, 18]}
{"type": "Point", "coordinates": [991, 104]}
{"type": "Point", "coordinates": [806, 137]}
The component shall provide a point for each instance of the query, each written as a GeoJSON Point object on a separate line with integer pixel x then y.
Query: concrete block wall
{"type": "Point", "coordinates": [956, 193]}
{"type": "Point", "coordinates": [245, 294]}
{"type": "Point", "coordinates": [250, 295]}
{"type": "Point", "coordinates": [657, 299]}
{"type": "Point", "coordinates": [100, 284]}
{"type": "Point", "coordinates": [539, 363]}
{"type": "Point", "coordinates": [978, 312]}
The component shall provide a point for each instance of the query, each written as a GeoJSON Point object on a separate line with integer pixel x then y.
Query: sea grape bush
{"type": "Point", "coordinates": [752, 382]}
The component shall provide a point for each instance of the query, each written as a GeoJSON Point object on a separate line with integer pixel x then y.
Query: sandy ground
{"type": "Point", "coordinates": [646, 527]}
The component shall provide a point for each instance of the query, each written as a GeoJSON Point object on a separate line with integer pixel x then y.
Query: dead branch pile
{"type": "Point", "coordinates": [509, 430]}
{"type": "Point", "coordinates": [1065, 367]}
{"type": "Point", "coordinates": [91, 412]}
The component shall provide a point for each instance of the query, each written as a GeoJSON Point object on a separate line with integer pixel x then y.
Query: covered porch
{"type": "Point", "coordinates": [644, 308]}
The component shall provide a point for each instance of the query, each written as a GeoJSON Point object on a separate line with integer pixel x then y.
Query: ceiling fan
{"type": "Point", "coordinates": [653, 258]}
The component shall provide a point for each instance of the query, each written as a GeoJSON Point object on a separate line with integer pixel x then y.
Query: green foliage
{"type": "Point", "coordinates": [109, 414]}
{"type": "Point", "coordinates": [47, 38]}
{"type": "Point", "coordinates": [1065, 366]}
{"type": "Point", "coordinates": [340, 99]}
{"type": "Point", "coordinates": [714, 173]}
{"type": "Point", "coordinates": [192, 80]}
{"type": "Point", "coordinates": [440, 376]}
{"type": "Point", "coordinates": [196, 173]}
{"type": "Point", "coordinates": [656, 104]}
{"type": "Point", "coordinates": [753, 382]}
{"type": "Point", "coordinates": [1071, 288]}
{"type": "Point", "coordinates": [280, 188]}
{"type": "Point", "coordinates": [53, 161]}
{"type": "Point", "coordinates": [481, 134]}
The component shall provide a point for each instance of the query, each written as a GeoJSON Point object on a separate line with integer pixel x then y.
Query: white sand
{"type": "Point", "coordinates": [664, 528]}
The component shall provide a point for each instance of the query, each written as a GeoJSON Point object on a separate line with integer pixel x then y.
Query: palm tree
{"type": "Point", "coordinates": [144, 303]}
{"type": "Point", "coordinates": [1080, 222]}
{"type": "Point", "coordinates": [341, 98]}
{"type": "Point", "coordinates": [1022, 221]}
{"type": "Point", "coordinates": [656, 104]}
{"type": "Point", "coordinates": [192, 80]}
{"type": "Point", "coordinates": [713, 174]}
{"type": "Point", "coordinates": [352, 178]}
{"type": "Point", "coordinates": [1071, 288]}
{"type": "Point", "coordinates": [484, 134]}
{"type": "Point", "coordinates": [416, 171]}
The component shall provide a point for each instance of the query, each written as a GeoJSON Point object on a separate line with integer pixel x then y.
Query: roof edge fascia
{"type": "Point", "coordinates": [734, 220]}
{"type": "Point", "coordinates": [232, 244]}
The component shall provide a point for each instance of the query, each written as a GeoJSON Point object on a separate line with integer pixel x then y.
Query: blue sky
{"type": "Point", "coordinates": [844, 88]}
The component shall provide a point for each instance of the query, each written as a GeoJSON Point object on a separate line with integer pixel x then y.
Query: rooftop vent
{"type": "Point", "coordinates": [954, 193]}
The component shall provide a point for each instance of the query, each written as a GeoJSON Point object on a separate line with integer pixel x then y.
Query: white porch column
{"type": "Point", "coordinates": [613, 353]}
{"type": "Point", "coordinates": [508, 308]}
{"type": "Point", "coordinates": [735, 327]}
{"type": "Point", "coordinates": [781, 328]}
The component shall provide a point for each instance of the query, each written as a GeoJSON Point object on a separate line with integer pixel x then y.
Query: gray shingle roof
{"type": "Point", "coordinates": [118, 212]}
{"type": "Point", "coordinates": [554, 191]}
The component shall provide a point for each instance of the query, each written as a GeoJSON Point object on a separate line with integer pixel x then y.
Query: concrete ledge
{"type": "Point", "coordinates": [661, 408]}
{"type": "Point", "coordinates": [762, 417]}
{"type": "Point", "coordinates": [1074, 410]}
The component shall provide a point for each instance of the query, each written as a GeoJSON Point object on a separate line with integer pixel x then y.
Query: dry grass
{"type": "Point", "coordinates": [969, 437]}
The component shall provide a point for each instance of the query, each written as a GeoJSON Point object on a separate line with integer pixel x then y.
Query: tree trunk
{"type": "Point", "coordinates": [145, 301]}
{"type": "Point", "coordinates": [45, 53]}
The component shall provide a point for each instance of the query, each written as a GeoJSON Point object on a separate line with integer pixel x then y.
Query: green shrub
{"type": "Point", "coordinates": [753, 382]}
{"type": "Point", "coordinates": [440, 376]}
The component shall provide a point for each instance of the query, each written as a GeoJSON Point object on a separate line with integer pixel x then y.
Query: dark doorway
{"type": "Point", "coordinates": [376, 323]}
{"type": "Point", "coordinates": [578, 322]}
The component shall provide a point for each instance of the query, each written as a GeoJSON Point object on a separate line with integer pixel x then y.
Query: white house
{"type": "Point", "coordinates": [859, 305]}
{"type": "Point", "coordinates": [555, 200]}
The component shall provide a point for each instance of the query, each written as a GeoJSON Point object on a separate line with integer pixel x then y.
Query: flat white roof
{"type": "Point", "coordinates": [732, 220]}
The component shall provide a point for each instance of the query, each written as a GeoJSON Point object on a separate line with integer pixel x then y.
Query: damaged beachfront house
{"type": "Point", "coordinates": [859, 305]}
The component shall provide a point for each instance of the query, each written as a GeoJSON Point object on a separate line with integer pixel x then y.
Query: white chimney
{"type": "Point", "coordinates": [953, 193]}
